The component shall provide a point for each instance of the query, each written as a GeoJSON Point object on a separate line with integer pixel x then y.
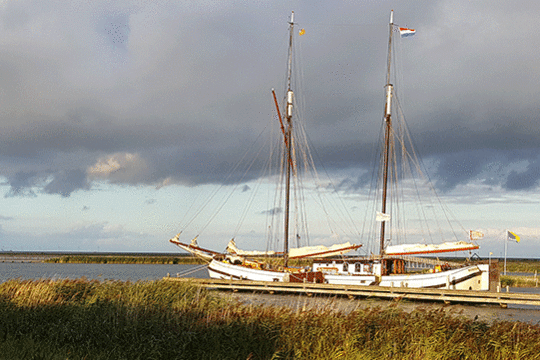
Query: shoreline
{"type": "Point", "coordinates": [526, 279]}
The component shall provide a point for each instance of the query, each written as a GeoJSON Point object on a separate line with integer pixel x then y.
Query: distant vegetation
{"type": "Point", "coordinates": [79, 319]}
{"type": "Point", "coordinates": [512, 265]}
{"type": "Point", "coordinates": [124, 259]}
{"type": "Point", "coordinates": [519, 281]}
{"type": "Point", "coordinates": [520, 265]}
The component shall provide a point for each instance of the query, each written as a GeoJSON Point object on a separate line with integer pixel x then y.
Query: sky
{"type": "Point", "coordinates": [116, 117]}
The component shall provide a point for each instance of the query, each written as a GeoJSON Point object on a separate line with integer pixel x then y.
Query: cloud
{"type": "Point", "coordinates": [91, 237]}
{"type": "Point", "coordinates": [65, 182]}
{"type": "Point", "coordinates": [524, 180]}
{"type": "Point", "coordinates": [21, 184]}
{"type": "Point", "coordinates": [274, 211]}
{"type": "Point", "coordinates": [148, 94]}
{"type": "Point", "coordinates": [120, 167]}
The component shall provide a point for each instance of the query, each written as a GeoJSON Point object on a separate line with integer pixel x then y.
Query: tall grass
{"type": "Point", "coordinates": [75, 319]}
{"type": "Point", "coordinates": [526, 266]}
{"type": "Point", "coordinates": [519, 281]}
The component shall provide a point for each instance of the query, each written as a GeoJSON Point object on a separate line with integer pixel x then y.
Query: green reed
{"type": "Point", "coordinates": [125, 259]}
{"type": "Point", "coordinates": [519, 281]}
{"type": "Point", "coordinates": [75, 319]}
{"type": "Point", "coordinates": [526, 266]}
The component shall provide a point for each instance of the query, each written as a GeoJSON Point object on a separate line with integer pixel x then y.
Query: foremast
{"type": "Point", "coordinates": [387, 133]}
{"type": "Point", "coordinates": [288, 145]}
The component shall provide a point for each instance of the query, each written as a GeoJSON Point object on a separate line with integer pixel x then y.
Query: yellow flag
{"type": "Point", "coordinates": [513, 236]}
{"type": "Point", "coordinates": [302, 32]}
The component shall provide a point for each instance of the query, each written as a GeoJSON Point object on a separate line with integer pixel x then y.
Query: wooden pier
{"type": "Point", "coordinates": [503, 298]}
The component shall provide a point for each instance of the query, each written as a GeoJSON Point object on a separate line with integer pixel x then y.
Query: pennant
{"type": "Point", "coordinates": [382, 216]}
{"type": "Point", "coordinates": [512, 236]}
{"type": "Point", "coordinates": [475, 235]}
{"type": "Point", "coordinates": [302, 32]}
{"type": "Point", "coordinates": [404, 32]}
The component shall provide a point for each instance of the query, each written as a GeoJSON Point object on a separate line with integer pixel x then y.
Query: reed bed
{"type": "Point", "coordinates": [519, 281]}
{"type": "Point", "coordinates": [121, 259]}
{"type": "Point", "coordinates": [76, 319]}
{"type": "Point", "coordinates": [521, 265]}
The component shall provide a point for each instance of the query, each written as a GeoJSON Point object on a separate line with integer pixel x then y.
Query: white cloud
{"type": "Point", "coordinates": [119, 167]}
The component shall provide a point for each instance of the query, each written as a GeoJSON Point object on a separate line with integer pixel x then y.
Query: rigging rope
{"type": "Point", "coordinates": [191, 271]}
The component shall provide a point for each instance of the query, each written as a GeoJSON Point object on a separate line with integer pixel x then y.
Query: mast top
{"type": "Point", "coordinates": [292, 18]}
{"type": "Point", "coordinates": [391, 17]}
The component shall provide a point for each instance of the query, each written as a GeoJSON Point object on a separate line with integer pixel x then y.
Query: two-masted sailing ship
{"type": "Point", "coordinates": [328, 264]}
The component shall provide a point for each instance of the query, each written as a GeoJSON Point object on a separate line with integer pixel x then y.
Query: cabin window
{"type": "Point", "coordinates": [345, 267]}
{"type": "Point", "coordinates": [357, 267]}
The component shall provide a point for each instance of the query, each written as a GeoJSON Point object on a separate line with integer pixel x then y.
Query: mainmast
{"type": "Point", "coordinates": [288, 144]}
{"type": "Point", "coordinates": [388, 130]}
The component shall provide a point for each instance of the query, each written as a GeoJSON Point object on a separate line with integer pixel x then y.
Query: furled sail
{"type": "Point", "coordinates": [410, 249]}
{"type": "Point", "coordinates": [233, 249]}
{"type": "Point", "coordinates": [321, 250]}
{"type": "Point", "coordinates": [298, 253]}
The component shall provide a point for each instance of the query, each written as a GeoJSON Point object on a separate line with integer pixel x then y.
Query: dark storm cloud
{"type": "Point", "coordinates": [459, 168]}
{"type": "Point", "coordinates": [525, 179]}
{"type": "Point", "coordinates": [174, 93]}
{"type": "Point", "coordinates": [62, 182]}
{"type": "Point", "coordinates": [65, 182]}
{"type": "Point", "coordinates": [22, 184]}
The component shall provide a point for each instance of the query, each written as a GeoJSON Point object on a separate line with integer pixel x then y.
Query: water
{"type": "Point", "coordinates": [518, 273]}
{"type": "Point", "coordinates": [123, 272]}
{"type": "Point", "coordinates": [138, 272]}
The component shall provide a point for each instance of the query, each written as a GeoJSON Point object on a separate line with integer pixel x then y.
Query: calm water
{"type": "Point", "coordinates": [124, 272]}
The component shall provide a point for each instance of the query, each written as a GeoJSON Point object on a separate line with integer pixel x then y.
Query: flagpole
{"type": "Point", "coordinates": [505, 249]}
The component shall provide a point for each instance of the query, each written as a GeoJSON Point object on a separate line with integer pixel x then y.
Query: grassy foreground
{"type": "Point", "coordinates": [76, 319]}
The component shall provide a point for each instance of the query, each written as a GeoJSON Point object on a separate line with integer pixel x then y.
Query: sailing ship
{"type": "Point", "coordinates": [327, 264]}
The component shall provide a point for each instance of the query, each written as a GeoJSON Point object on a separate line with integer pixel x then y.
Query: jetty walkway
{"type": "Point", "coordinates": [497, 297]}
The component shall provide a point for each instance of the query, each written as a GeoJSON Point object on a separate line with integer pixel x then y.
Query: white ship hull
{"type": "Point", "coordinates": [224, 270]}
{"type": "Point", "coordinates": [473, 277]}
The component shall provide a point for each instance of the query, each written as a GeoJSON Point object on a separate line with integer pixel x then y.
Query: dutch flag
{"type": "Point", "coordinates": [404, 32]}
